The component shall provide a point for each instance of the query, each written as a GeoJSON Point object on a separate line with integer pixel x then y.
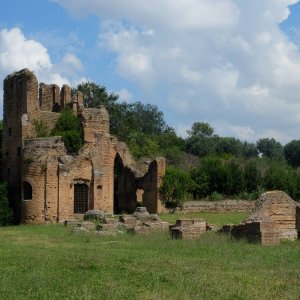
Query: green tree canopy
{"type": "Point", "coordinates": [95, 95]}
{"type": "Point", "coordinates": [292, 153]}
{"type": "Point", "coordinates": [201, 129]}
{"type": "Point", "coordinates": [175, 187]}
{"type": "Point", "coordinates": [270, 147]}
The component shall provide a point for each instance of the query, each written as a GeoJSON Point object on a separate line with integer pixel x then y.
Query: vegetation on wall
{"type": "Point", "coordinates": [40, 128]}
{"type": "Point", "coordinates": [69, 127]}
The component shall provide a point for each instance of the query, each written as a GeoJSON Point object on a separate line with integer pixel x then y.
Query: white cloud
{"type": "Point", "coordinates": [224, 61]}
{"type": "Point", "coordinates": [124, 95]}
{"type": "Point", "coordinates": [160, 14]}
{"type": "Point", "coordinates": [18, 52]}
{"type": "Point", "coordinates": [134, 65]}
{"type": "Point", "coordinates": [72, 61]}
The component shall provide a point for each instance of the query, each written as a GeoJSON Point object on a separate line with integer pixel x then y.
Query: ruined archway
{"type": "Point", "coordinates": [124, 187]}
{"type": "Point", "coordinates": [118, 184]}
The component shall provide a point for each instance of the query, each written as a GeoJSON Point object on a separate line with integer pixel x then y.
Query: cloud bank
{"type": "Point", "coordinates": [222, 61]}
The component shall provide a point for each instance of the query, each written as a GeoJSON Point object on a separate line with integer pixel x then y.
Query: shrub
{"type": "Point", "coordinates": [175, 187]}
{"type": "Point", "coordinates": [69, 127]}
{"type": "Point", "coordinates": [40, 128]}
{"type": "Point", "coordinates": [215, 196]}
{"type": "Point", "coordinates": [6, 215]}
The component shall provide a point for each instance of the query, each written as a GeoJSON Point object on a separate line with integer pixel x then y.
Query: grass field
{"type": "Point", "coordinates": [48, 262]}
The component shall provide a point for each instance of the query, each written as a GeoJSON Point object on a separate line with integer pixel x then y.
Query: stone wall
{"type": "Point", "coordinates": [273, 219]}
{"type": "Point", "coordinates": [219, 206]}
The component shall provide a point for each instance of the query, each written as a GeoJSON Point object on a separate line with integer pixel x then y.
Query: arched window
{"type": "Point", "coordinates": [80, 198]}
{"type": "Point", "coordinates": [27, 191]}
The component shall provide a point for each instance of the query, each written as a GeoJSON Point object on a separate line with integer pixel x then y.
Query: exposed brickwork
{"type": "Point", "coordinates": [45, 165]}
{"type": "Point", "coordinates": [188, 229]}
{"type": "Point", "coordinates": [273, 219]}
{"type": "Point", "coordinates": [221, 206]}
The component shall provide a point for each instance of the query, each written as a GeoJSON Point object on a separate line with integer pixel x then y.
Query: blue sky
{"type": "Point", "coordinates": [234, 64]}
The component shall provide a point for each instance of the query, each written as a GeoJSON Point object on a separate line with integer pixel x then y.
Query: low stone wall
{"type": "Point", "coordinates": [221, 206]}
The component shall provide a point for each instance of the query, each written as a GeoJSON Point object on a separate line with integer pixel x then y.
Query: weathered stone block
{"type": "Point", "coordinates": [88, 225]}
{"type": "Point", "coordinates": [273, 219]}
{"type": "Point", "coordinates": [188, 228]}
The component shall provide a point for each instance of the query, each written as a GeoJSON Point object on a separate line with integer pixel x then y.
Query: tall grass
{"type": "Point", "coordinates": [48, 262]}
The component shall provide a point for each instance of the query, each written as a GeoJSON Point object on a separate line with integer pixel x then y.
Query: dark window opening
{"type": "Point", "coordinates": [19, 151]}
{"type": "Point", "coordinates": [8, 172]}
{"type": "Point", "coordinates": [80, 198]}
{"type": "Point", "coordinates": [9, 131]}
{"type": "Point", "coordinates": [6, 154]}
{"type": "Point", "coordinates": [27, 191]}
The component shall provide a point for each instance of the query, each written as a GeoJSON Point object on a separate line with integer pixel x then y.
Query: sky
{"type": "Point", "coordinates": [234, 64]}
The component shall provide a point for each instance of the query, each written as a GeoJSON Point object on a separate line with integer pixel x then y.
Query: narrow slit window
{"type": "Point", "coordinates": [27, 191]}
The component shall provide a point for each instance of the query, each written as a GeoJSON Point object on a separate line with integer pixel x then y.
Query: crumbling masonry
{"type": "Point", "coordinates": [46, 183]}
{"type": "Point", "coordinates": [276, 217]}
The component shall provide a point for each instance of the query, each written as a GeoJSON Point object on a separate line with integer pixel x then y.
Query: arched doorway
{"type": "Point", "coordinates": [124, 188]}
{"type": "Point", "coordinates": [80, 198]}
{"type": "Point", "coordinates": [119, 182]}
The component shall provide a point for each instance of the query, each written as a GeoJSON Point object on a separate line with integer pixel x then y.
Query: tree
{"type": "Point", "coordinates": [201, 140]}
{"type": "Point", "coordinates": [201, 129]}
{"type": "Point", "coordinates": [235, 182]}
{"type": "Point", "coordinates": [270, 148]}
{"type": "Point", "coordinates": [175, 187]}
{"type": "Point", "coordinates": [6, 215]}
{"type": "Point", "coordinates": [200, 187]}
{"type": "Point", "coordinates": [146, 118]}
{"type": "Point", "coordinates": [249, 150]}
{"type": "Point", "coordinates": [229, 145]}
{"type": "Point", "coordinates": [253, 178]}
{"type": "Point", "coordinates": [142, 145]}
{"type": "Point", "coordinates": [124, 117]}
{"type": "Point", "coordinates": [95, 95]}
{"type": "Point", "coordinates": [280, 176]}
{"type": "Point", "coordinates": [292, 153]}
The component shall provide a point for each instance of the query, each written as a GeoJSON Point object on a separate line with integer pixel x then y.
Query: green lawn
{"type": "Point", "coordinates": [213, 218]}
{"type": "Point", "coordinates": [48, 262]}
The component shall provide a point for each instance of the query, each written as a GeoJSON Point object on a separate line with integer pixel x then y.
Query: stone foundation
{"type": "Point", "coordinates": [219, 206]}
{"type": "Point", "coordinates": [274, 218]}
{"type": "Point", "coordinates": [188, 229]}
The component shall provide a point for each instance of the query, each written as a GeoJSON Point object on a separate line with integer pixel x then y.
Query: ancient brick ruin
{"type": "Point", "coordinates": [188, 229]}
{"type": "Point", "coordinates": [46, 183]}
{"type": "Point", "coordinates": [275, 218]}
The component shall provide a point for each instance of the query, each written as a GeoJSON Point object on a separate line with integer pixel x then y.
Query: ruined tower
{"type": "Point", "coordinates": [45, 182]}
{"type": "Point", "coordinates": [20, 98]}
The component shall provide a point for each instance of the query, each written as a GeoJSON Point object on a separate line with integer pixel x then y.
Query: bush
{"type": "Point", "coordinates": [40, 128]}
{"type": "Point", "coordinates": [69, 128]}
{"type": "Point", "coordinates": [215, 196]}
{"type": "Point", "coordinates": [175, 188]}
{"type": "Point", "coordinates": [279, 176]}
{"type": "Point", "coordinates": [6, 215]}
